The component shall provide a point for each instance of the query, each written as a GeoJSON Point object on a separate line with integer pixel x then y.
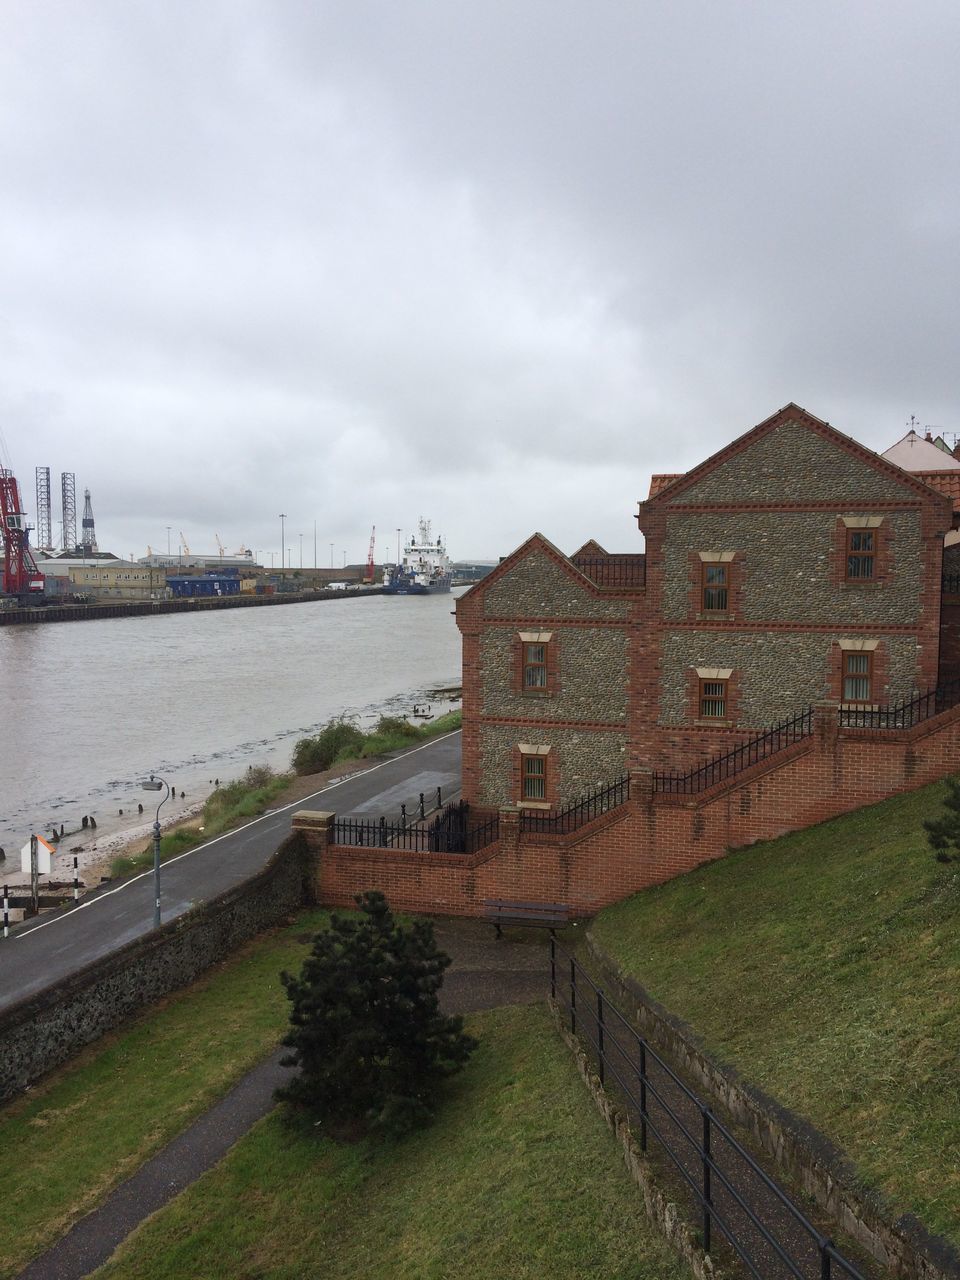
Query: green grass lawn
{"type": "Point", "coordinates": [518, 1177]}
{"type": "Point", "coordinates": [91, 1123]}
{"type": "Point", "coordinates": [826, 967]}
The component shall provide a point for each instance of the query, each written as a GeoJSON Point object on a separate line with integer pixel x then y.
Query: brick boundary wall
{"type": "Point", "coordinates": [653, 837]}
{"type": "Point", "coordinates": [901, 1244]}
{"type": "Point", "coordinates": [44, 1030]}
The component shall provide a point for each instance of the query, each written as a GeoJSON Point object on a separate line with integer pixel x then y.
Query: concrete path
{"type": "Point", "coordinates": [485, 974]}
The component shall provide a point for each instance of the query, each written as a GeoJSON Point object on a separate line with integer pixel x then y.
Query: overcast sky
{"type": "Point", "coordinates": [492, 263]}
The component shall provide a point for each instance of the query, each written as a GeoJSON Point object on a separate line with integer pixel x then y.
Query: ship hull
{"type": "Point", "coordinates": [416, 589]}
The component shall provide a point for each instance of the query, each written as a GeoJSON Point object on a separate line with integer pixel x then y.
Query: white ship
{"type": "Point", "coordinates": [425, 568]}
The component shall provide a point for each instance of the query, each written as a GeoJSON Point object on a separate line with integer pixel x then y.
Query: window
{"type": "Point", "coordinates": [857, 676]}
{"type": "Point", "coordinates": [713, 699]}
{"type": "Point", "coordinates": [861, 554]}
{"type": "Point", "coordinates": [534, 777]}
{"type": "Point", "coordinates": [715, 584]}
{"type": "Point", "coordinates": [534, 668]}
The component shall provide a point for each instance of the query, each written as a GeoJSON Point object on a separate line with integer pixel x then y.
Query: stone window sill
{"type": "Point", "coordinates": [532, 804]}
{"type": "Point", "coordinates": [714, 724]}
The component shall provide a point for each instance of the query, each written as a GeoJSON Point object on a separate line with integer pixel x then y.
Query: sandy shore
{"type": "Point", "coordinates": [95, 852]}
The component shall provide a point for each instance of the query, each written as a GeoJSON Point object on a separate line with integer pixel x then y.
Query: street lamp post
{"type": "Point", "coordinates": [398, 546]}
{"type": "Point", "coordinates": [301, 551]}
{"type": "Point", "coordinates": [283, 546]}
{"type": "Point", "coordinates": [157, 784]}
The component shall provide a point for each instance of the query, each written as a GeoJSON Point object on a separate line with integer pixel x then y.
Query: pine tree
{"type": "Point", "coordinates": [366, 1029]}
{"type": "Point", "coordinates": [943, 833]}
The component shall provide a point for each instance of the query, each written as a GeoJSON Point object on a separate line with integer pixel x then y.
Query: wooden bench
{"type": "Point", "coordinates": [547, 915]}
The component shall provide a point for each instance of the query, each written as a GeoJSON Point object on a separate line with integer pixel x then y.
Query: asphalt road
{"type": "Point", "coordinates": [45, 951]}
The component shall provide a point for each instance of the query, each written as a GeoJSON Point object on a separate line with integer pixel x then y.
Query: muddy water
{"type": "Point", "coordinates": [89, 708]}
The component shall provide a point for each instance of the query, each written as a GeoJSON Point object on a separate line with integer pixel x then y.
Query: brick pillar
{"type": "Point", "coordinates": [316, 827]}
{"type": "Point", "coordinates": [509, 831]}
{"type": "Point", "coordinates": [641, 785]}
{"type": "Point", "coordinates": [826, 725]}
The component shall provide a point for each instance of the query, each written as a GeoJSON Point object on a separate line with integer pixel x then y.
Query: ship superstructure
{"type": "Point", "coordinates": [424, 569]}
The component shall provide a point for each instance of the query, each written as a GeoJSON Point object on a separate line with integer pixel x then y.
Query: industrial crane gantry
{"type": "Point", "coordinates": [21, 577]}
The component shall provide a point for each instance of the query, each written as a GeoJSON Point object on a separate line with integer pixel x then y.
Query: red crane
{"type": "Point", "coordinates": [21, 577]}
{"type": "Point", "coordinates": [368, 576]}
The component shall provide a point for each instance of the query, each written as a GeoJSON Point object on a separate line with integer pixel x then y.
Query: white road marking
{"type": "Point", "coordinates": [297, 804]}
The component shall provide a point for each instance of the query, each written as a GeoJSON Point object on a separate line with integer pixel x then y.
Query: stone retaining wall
{"type": "Point", "coordinates": [900, 1244]}
{"type": "Point", "coordinates": [44, 1030]}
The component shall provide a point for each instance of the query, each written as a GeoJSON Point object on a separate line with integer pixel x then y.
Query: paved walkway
{"type": "Point", "coordinates": [485, 974]}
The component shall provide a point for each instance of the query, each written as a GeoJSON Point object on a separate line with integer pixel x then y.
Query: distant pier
{"type": "Point", "coordinates": [147, 608]}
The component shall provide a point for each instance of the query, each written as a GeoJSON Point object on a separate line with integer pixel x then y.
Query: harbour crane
{"type": "Point", "coordinates": [183, 543]}
{"type": "Point", "coordinates": [220, 547]}
{"type": "Point", "coordinates": [21, 577]}
{"type": "Point", "coordinates": [368, 576]}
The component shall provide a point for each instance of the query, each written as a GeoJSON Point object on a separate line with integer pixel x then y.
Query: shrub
{"type": "Point", "coordinates": [339, 739]}
{"type": "Point", "coordinates": [366, 1029]}
{"type": "Point", "coordinates": [943, 833]}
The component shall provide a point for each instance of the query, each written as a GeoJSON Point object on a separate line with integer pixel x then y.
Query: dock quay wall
{"type": "Point", "coordinates": [44, 1030]}
{"type": "Point", "coordinates": [148, 608]}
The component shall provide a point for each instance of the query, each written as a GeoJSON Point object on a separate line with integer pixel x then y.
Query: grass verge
{"type": "Point", "coordinates": [248, 797]}
{"type": "Point", "coordinates": [825, 966]}
{"type": "Point", "coordinates": [342, 740]}
{"type": "Point", "coordinates": [517, 1177]}
{"type": "Point", "coordinates": [90, 1124]}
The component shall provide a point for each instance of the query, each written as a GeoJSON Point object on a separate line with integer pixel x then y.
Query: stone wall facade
{"type": "Point", "coordinates": [776, 508]}
{"type": "Point", "coordinates": [787, 465]}
{"type": "Point", "coordinates": [776, 673]}
{"type": "Point", "coordinates": [789, 565]}
{"type": "Point", "coordinates": [580, 759]}
{"type": "Point", "coordinates": [45, 1030]}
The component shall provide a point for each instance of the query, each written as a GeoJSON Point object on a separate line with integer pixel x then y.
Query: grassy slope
{"type": "Point", "coordinates": [90, 1124]}
{"type": "Point", "coordinates": [518, 1177]}
{"type": "Point", "coordinates": [826, 967]}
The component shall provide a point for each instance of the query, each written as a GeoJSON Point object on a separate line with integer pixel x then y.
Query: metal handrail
{"type": "Point", "coordinates": [613, 571]}
{"type": "Point", "coordinates": [579, 812]}
{"type": "Point", "coordinates": [902, 715]}
{"type": "Point", "coordinates": [827, 1252]}
{"type": "Point", "coordinates": [729, 763]}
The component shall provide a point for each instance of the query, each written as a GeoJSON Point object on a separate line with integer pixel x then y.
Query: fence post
{"type": "Point", "coordinates": [403, 816]}
{"type": "Point", "coordinates": [600, 1035]}
{"type": "Point", "coordinates": [6, 912]}
{"type": "Point", "coordinates": [76, 881]}
{"type": "Point", "coordinates": [706, 1179]}
{"type": "Point", "coordinates": [422, 812]}
{"type": "Point", "coordinates": [439, 800]}
{"type": "Point", "coordinates": [553, 967]}
{"type": "Point", "coordinates": [643, 1094]}
{"type": "Point", "coordinates": [825, 1269]}
{"type": "Point", "coordinates": [573, 998]}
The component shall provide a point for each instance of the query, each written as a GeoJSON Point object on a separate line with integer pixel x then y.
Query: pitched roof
{"type": "Point", "coordinates": [795, 414]}
{"type": "Point", "coordinates": [913, 453]}
{"type": "Point", "coordinates": [945, 482]}
{"type": "Point", "coordinates": [660, 482]}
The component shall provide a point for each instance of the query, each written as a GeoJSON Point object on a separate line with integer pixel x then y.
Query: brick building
{"type": "Point", "coordinates": [793, 567]}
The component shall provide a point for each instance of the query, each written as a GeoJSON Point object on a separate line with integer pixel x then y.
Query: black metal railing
{"type": "Point", "coordinates": [453, 830]}
{"type": "Point", "coordinates": [629, 571]}
{"type": "Point", "coordinates": [902, 715]}
{"type": "Point", "coordinates": [730, 763]}
{"type": "Point", "coordinates": [580, 812]}
{"type": "Point", "coordinates": [730, 1192]}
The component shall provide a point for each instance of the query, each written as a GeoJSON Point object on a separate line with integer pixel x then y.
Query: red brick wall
{"type": "Point", "coordinates": [650, 840]}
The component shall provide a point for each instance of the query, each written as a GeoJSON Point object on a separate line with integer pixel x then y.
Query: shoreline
{"type": "Point", "coordinates": [95, 851]}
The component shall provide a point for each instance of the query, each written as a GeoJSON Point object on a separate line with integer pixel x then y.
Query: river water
{"type": "Point", "coordinates": [90, 708]}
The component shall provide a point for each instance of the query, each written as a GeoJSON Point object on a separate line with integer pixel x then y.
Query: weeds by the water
{"type": "Point", "coordinates": [341, 740]}
{"type": "Point", "coordinates": [248, 797]}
